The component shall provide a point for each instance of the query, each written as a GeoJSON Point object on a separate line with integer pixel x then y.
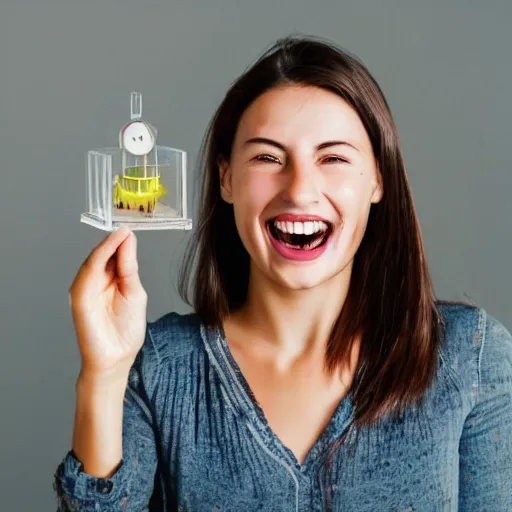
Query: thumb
{"type": "Point", "coordinates": [128, 268]}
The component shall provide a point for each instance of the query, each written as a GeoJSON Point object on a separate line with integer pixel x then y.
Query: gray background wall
{"type": "Point", "coordinates": [66, 71]}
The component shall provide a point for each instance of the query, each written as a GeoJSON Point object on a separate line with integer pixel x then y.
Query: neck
{"type": "Point", "coordinates": [296, 323]}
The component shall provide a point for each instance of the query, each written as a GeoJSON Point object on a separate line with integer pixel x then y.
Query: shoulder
{"type": "Point", "coordinates": [475, 345]}
{"type": "Point", "coordinates": [174, 335]}
{"type": "Point", "coordinates": [461, 325]}
{"type": "Point", "coordinates": [494, 358]}
{"type": "Point", "coordinates": [469, 327]}
{"type": "Point", "coordinates": [168, 340]}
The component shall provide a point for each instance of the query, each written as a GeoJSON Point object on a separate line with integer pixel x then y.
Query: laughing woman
{"type": "Point", "coordinates": [318, 371]}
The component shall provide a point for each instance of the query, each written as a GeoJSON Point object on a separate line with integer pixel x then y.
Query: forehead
{"type": "Point", "coordinates": [291, 114]}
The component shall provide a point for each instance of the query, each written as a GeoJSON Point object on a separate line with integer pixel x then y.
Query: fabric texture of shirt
{"type": "Point", "coordinates": [194, 439]}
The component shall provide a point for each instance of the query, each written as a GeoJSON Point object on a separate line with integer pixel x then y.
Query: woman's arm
{"type": "Point", "coordinates": [485, 480]}
{"type": "Point", "coordinates": [97, 436]}
{"type": "Point", "coordinates": [113, 462]}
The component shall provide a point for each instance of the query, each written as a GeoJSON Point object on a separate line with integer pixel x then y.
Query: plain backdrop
{"type": "Point", "coordinates": [66, 72]}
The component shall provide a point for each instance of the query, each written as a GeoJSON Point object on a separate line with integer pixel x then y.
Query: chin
{"type": "Point", "coordinates": [292, 283]}
{"type": "Point", "coordinates": [300, 279]}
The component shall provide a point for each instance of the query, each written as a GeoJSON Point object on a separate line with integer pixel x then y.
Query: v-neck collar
{"type": "Point", "coordinates": [242, 399]}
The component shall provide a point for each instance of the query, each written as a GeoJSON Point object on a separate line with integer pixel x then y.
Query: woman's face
{"type": "Point", "coordinates": [302, 177]}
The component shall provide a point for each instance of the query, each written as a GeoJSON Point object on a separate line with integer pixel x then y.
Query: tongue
{"type": "Point", "coordinates": [300, 242]}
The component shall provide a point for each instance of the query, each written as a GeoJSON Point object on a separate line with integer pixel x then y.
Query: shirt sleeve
{"type": "Point", "coordinates": [130, 488]}
{"type": "Point", "coordinates": [485, 476]}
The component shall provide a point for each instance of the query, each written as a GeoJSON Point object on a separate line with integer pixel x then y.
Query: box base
{"type": "Point", "coordinates": [136, 224]}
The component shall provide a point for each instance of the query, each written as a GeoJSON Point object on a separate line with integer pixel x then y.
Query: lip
{"type": "Point", "coordinates": [294, 254]}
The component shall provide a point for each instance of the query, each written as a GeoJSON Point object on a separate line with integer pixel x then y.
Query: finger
{"type": "Point", "coordinates": [110, 268]}
{"type": "Point", "coordinates": [99, 256]}
{"type": "Point", "coordinates": [107, 248]}
{"type": "Point", "coordinates": [128, 267]}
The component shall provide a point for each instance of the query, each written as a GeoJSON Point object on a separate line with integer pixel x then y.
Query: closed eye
{"type": "Point", "coordinates": [335, 159]}
{"type": "Point", "coordinates": [266, 158]}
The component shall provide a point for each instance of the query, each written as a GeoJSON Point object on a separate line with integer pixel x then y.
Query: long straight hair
{"type": "Point", "coordinates": [390, 303]}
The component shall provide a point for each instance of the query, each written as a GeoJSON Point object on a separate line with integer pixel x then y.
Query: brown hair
{"type": "Point", "coordinates": [390, 303]}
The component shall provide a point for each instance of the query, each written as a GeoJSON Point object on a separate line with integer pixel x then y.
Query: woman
{"type": "Point", "coordinates": [318, 371]}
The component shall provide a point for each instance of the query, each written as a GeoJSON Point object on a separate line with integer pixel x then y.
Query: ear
{"type": "Point", "coordinates": [225, 176]}
{"type": "Point", "coordinates": [378, 189]}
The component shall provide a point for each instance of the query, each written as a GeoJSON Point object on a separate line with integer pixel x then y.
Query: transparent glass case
{"type": "Point", "coordinates": [139, 184]}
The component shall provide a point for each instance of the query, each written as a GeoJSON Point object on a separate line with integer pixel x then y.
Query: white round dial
{"type": "Point", "coordinates": [138, 138]}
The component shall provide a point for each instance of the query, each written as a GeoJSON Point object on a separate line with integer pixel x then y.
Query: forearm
{"type": "Point", "coordinates": [98, 430]}
{"type": "Point", "coordinates": [113, 460]}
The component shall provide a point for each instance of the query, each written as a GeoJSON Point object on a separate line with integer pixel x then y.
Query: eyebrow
{"type": "Point", "coordinates": [323, 145]}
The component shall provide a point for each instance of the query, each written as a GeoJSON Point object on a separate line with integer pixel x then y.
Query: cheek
{"type": "Point", "coordinates": [353, 200]}
{"type": "Point", "coordinates": [347, 193]}
{"type": "Point", "coordinates": [253, 191]}
{"type": "Point", "coordinates": [352, 197]}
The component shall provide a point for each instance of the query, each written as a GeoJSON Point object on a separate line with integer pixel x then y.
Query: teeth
{"type": "Point", "coordinates": [301, 228]}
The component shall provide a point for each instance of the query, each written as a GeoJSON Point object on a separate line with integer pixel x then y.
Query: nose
{"type": "Point", "coordinates": [301, 187]}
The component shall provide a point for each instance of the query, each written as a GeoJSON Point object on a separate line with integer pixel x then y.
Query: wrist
{"type": "Point", "coordinates": [94, 378]}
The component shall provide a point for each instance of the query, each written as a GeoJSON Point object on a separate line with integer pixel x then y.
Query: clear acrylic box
{"type": "Point", "coordinates": [138, 184]}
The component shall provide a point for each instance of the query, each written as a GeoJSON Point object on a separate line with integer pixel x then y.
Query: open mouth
{"type": "Point", "coordinates": [300, 236]}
